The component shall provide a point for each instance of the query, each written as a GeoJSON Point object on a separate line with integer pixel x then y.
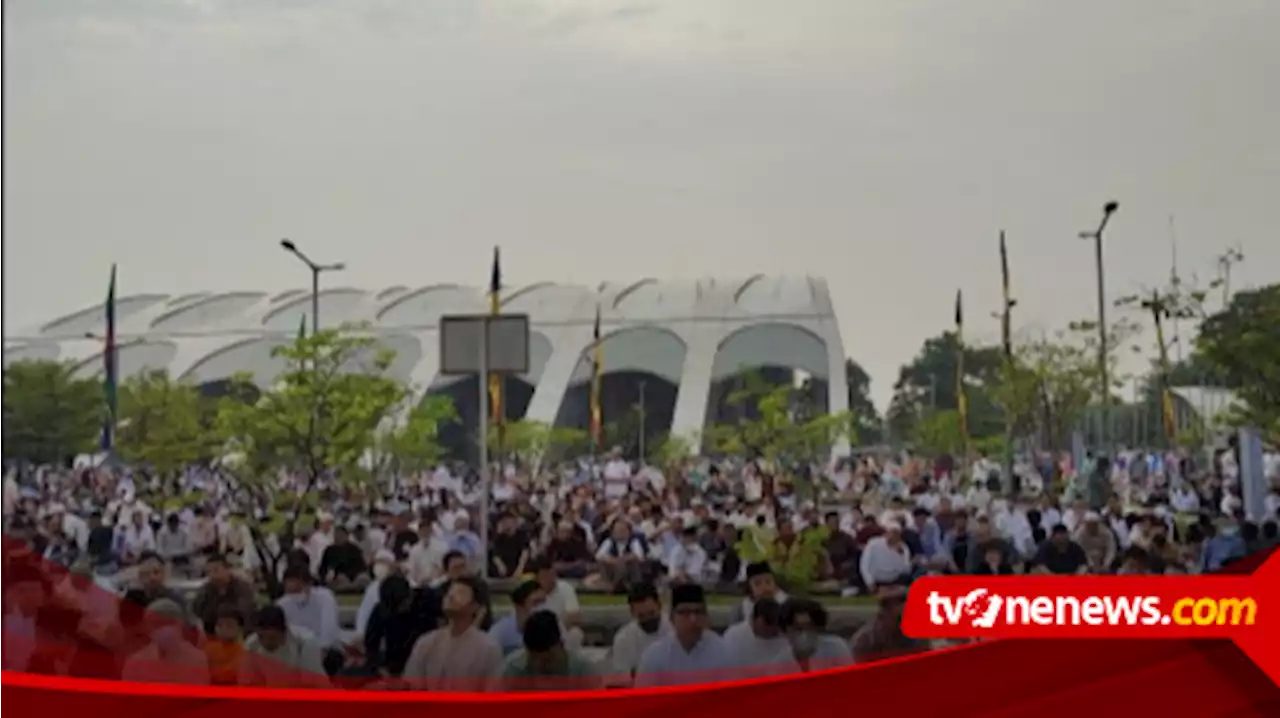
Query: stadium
{"type": "Point", "coordinates": [673, 347]}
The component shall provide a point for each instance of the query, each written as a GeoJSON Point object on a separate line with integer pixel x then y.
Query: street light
{"type": "Point", "coordinates": [1104, 380]}
{"type": "Point", "coordinates": [316, 270]}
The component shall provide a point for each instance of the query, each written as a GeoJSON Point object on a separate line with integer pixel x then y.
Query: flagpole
{"type": "Point", "coordinates": [1006, 337]}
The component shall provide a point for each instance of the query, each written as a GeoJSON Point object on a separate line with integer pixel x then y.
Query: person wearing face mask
{"type": "Point", "coordinates": [168, 657]}
{"type": "Point", "coordinates": [647, 626]}
{"type": "Point", "coordinates": [804, 622]}
{"type": "Point", "coordinates": [384, 565]}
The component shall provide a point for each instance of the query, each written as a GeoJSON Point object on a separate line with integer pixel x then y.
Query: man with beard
{"type": "Point", "coordinates": [646, 627]}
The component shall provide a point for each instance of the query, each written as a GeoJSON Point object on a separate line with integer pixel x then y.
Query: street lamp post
{"type": "Point", "coordinates": [316, 271]}
{"type": "Point", "coordinates": [1104, 379]}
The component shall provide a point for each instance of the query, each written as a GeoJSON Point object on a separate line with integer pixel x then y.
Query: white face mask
{"type": "Point", "coordinates": [381, 571]}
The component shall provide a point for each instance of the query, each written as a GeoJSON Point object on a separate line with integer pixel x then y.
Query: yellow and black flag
{"type": "Point", "coordinates": [597, 376]}
{"type": "Point", "coordinates": [962, 401]}
{"type": "Point", "coordinates": [495, 306]}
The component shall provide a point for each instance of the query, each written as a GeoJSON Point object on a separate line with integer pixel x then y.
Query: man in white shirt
{"type": "Point", "coordinates": [135, 538]}
{"type": "Point", "coordinates": [758, 645]}
{"type": "Point", "coordinates": [319, 540]}
{"type": "Point", "coordinates": [647, 626]}
{"type": "Point", "coordinates": [169, 657]}
{"type": "Point", "coordinates": [426, 558]}
{"type": "Point", "coordinates": [688, 560]}
{"type": "Point", "coordinates": [311, 608]}
{"type": "Point", "coordinates": [886, 560]}
{"type": "Point", "coordinates": [561, 599]}
{"type": "Point", "coordinates": [617, 476]}
{"type": "Point", "coordinates": [692, 652]}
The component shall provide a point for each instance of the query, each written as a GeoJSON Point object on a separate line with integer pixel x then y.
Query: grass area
{"type": "Point", "coordinates": [596, 599]}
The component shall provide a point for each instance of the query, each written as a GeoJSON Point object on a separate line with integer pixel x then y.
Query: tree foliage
{"type": "Point", "coordinates": [1242, 343]}
{"type": "Point", "coordinates": [413, 444]}
{"type": "Point", "coordinates": [927, 385]}
{"type": "Point", "coordinates": [324, 409]}
{"type": "Point", "coordinates": [532, 442]}
{"type": "Point", "coordinates": [320, 418]}
{"type": "Point", "coordinates": [776, 428]}
{"type": "Point", "coordinates": [50, 415]}
{"type": "Point", "coordinates": [1054, 381]}
{"type": "Point", "coordinates": [162, 423]}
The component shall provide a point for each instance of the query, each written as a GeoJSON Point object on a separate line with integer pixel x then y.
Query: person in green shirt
{"type": "Point", "coordinates": [545, 664]}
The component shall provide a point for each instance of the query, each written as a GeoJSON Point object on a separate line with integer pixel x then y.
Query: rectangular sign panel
{"type": "Point", "coordinates": [508, 350]}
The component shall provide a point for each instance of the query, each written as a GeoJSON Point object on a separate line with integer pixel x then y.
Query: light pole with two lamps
{"type": "Point", "coordinates": [316, 271]}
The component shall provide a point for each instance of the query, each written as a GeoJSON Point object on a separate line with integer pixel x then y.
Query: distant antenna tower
{"type": "Point", "coordinates": [1226, 261]}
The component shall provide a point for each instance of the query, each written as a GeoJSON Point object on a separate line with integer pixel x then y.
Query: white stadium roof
{"type": "Point", "coordinates": [688, 332]}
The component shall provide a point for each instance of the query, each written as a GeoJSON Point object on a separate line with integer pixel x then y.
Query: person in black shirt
{"type": "Point", "coordinates": [1061, 555]}
{"type": "Point", "coordinates": [510, 549]}
{"type": "Point", "coordinates": [402, 616]}
{"type": "Point", "coordinates": [568, 553]}
{"type": "Point", "coordinates": [342, 564]}
{"type": "Point", "coordinates": [98, 546]}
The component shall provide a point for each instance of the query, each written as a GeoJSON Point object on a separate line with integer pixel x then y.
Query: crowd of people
{"type": "Point", "coordinates": [112, 572]}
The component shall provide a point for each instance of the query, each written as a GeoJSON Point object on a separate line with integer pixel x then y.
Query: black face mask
{"type": "Point", "coordinates": [651, 625]}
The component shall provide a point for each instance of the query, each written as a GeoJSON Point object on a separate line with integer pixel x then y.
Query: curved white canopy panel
{"type": "Point", "coordinates": [425, 306]}
{"type": "Point", "coordinates": [337, 306]}
{"type": "Point", "coordinates": [134, 358]}
{"type": "Point", "coordinates": [252, 356]}
{"type": "Point", "coordinates": [94, 319]}
{"type": "Point", "coordinates": [209, 311]}
{"type": "Point", "coordinates": [648, 349]}
{"type": "Point", "coordinates": [771, 344]}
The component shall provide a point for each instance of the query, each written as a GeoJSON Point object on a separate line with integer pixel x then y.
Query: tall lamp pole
{"type": "Point", "coordinates": [1104, 379]}
{"type": "Point", "coordinates": [316, 271]}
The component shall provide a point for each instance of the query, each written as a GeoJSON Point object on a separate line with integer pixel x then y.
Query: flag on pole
{"type": "Point", "coordinates": [597, 375]}
{"type": "Point", "coordinates": [962, 401]}
{"type": "Point", "coordinates": [110, 370]}
{"type": "Point", "coordinates": [1006, 331]}
{"type": "Point", "coordinates": [495, 306]}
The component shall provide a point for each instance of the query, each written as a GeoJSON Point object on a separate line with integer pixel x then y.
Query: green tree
{"type": "Point", "coordinates": [321, 415]}
{"type": "Point", "coordinates": [928, 385]}
{"type": "Point", "coordinates": [776, 427]}
{"type": "Point", "coordinates": [670, 450]}
{"type": "Point", "coordinates": [1053, 382]}
{"type": "Point", "coordinates": [869, 423]}
{"type": "Point", "coordinates": [532, 442]}
{"type": "Point", "coordinates": [163, 424]}
{"type": "Point", "coordinates": [50, 415]}
{"type": "Point", "coordinates": [412, 444]}
{"type": "Point", "coordinates": [1242, 343]}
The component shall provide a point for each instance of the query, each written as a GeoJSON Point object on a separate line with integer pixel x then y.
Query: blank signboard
{"type": "Point", "coordinates": [508, 343]}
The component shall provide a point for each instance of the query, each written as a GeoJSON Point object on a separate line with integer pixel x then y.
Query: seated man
{"type": "Point", "coordinates": [508, 631]}
{"type": "Point", "coordinates": [545, 663]}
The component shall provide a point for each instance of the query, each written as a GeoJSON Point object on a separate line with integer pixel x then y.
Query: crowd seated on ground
{"type": "Point", "coordinates": [666, 540]}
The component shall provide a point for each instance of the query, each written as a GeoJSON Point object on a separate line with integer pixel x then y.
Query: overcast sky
{"type": "Point", "coordinates": [880, 143]}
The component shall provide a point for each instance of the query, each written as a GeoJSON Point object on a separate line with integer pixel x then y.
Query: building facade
{"type": "Point", "coordinates": [688, 333]}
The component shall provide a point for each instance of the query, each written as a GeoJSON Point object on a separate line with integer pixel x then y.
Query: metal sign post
{"type": "Point", "coordinates": [480, 345]}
